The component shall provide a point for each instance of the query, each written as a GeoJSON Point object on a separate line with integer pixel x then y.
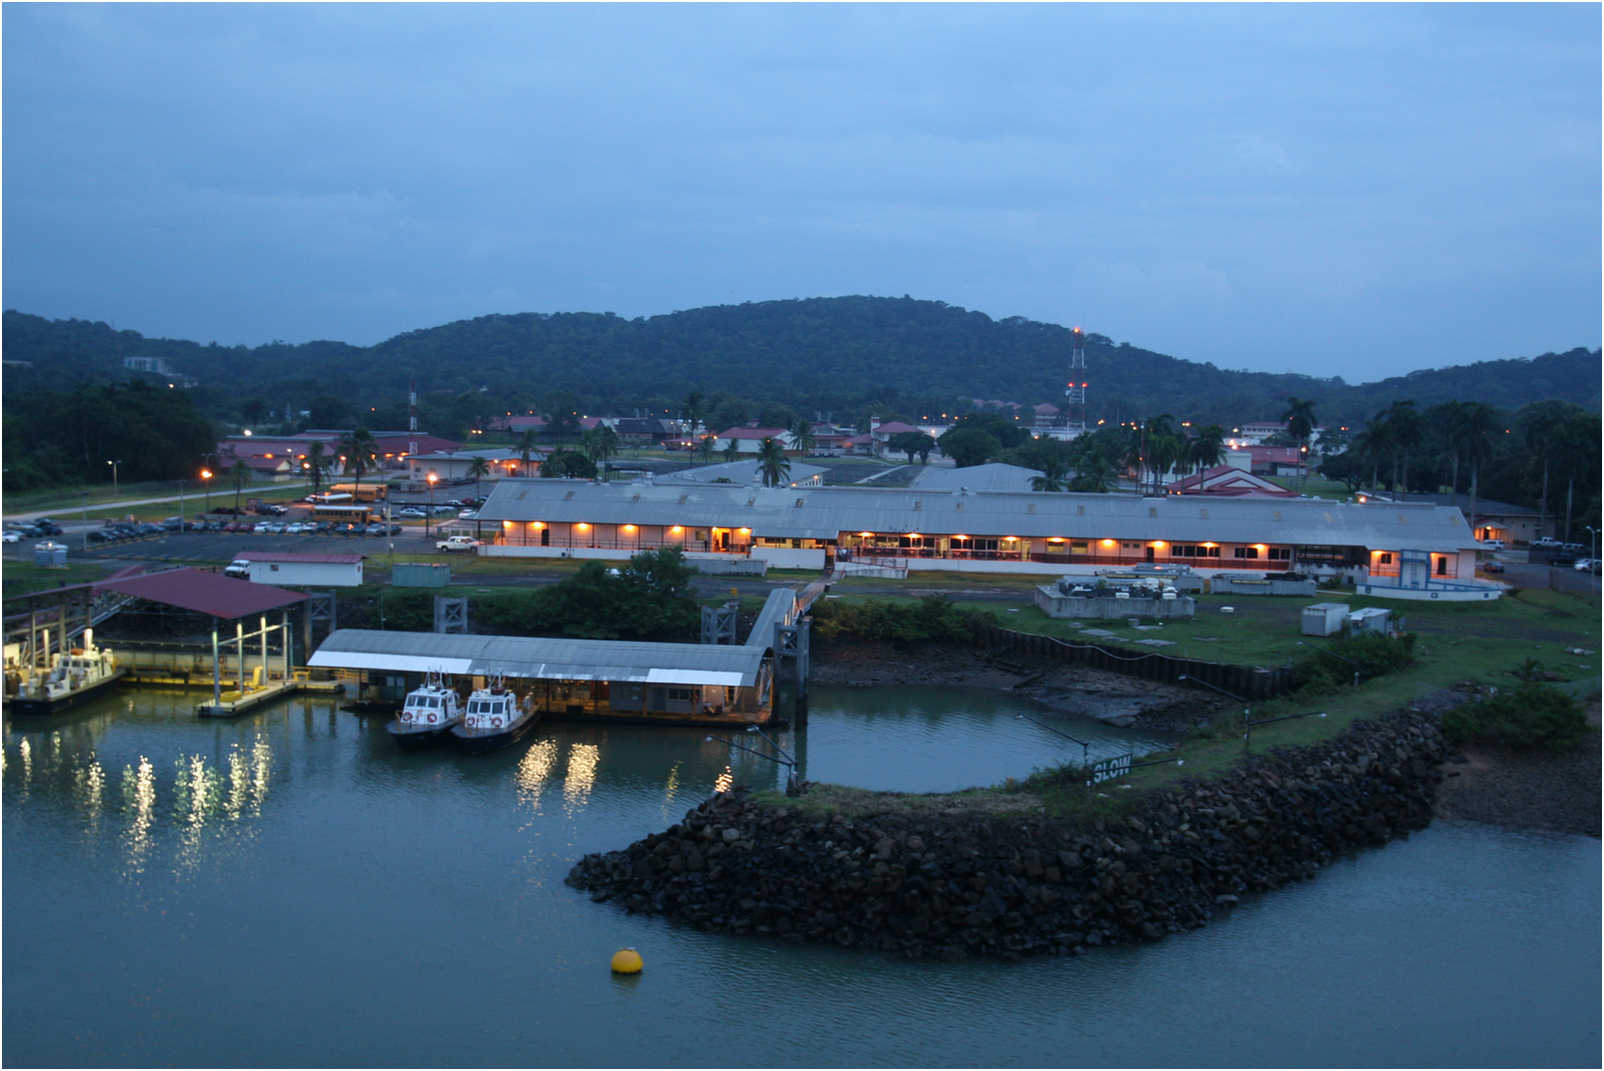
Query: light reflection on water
{"type": "Point", "coordinates": [301, 836]}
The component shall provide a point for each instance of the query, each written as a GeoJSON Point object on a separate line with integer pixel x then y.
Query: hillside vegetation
{"type": "Point", "coordinates": [846, 356]}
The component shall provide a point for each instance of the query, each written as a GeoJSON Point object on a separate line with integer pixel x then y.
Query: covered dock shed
{"type": "Point", "coordinates": [683, 683]}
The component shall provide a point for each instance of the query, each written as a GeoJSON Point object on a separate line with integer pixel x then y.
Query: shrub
{"type": "Point", "coordinates": [932, 618]}
{"type": "Point", "coordinates": [1531, 716]}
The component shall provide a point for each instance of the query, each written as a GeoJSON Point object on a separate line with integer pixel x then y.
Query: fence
{"type": "Point", "coordinates": [1249, 682]}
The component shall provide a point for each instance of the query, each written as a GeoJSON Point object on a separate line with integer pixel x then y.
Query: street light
{"type": "Point", "coordinates": [206, 482]}
{"type": "Point", "coordinates": [1592, 534]}
{"type": "Point", "coordinates": [114, 465]}
{"type": "Point", "coordinates": [429, 516]}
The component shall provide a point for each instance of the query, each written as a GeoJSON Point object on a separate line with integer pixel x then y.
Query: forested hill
{"type": "Point", "coordinates": [902, 356]}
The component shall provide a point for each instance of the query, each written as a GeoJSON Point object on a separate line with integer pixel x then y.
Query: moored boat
{"type": "Point", "coordinates": [427, 715]}
{"type": "Point", "coordinates": [74, 676]}
{"type": "Point", "coordinates": [495, 718]}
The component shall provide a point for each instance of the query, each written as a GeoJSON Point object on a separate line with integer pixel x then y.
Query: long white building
{"type": "Point", "coordinates": [981, 531]}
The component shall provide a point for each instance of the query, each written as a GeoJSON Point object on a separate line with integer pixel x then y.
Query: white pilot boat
{"type": "Point", "coordinates": [427, 715]}
{"type": "Point", "coordinates": [495, 718]}
{"type": "Point", "coordinates": [74, 676]}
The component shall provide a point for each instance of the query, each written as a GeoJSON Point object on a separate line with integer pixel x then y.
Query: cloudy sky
{"type": "Point", "coordinates": [1338, 190]}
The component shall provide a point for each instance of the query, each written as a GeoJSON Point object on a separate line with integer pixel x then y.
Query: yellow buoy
{"type": "Point", "coordinates": [627, 961]}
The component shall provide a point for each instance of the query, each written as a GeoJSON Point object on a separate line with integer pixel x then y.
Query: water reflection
{"type": "Point", "coordinates": [533, 770]}
{"type": "Point", "coordinates": [89, 784]}
{"type": "Point", "coordinates": [670, 790]}
{"type": "Point", "coordinates": [139, 800]}
{"type": "Point", "coordinates": [582, 762]}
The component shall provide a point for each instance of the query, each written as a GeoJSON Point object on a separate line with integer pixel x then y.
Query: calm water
{"type": "Point", "coordinates": [288, 889]}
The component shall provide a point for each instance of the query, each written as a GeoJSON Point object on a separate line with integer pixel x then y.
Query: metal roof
{"type": "Point", "coordinates": [822, 513]}
{"type": "Point", "coordinates": [297, 556]}
{"type": "Point", "coordinates": [542, 658]}
{"type": "Point", "coordinates": [993, 476]}
{"type": "Point", "coordinates": [204, 592]}
{"type": "Point", "coordinates": [736, 472]}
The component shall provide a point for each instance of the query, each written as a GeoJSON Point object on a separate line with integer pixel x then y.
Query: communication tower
{"type": "Point", "coordinates": [1075, 389]}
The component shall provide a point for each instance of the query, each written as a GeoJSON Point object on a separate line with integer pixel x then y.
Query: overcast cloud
{"type": "Point", "coordinates": [1354, 191]}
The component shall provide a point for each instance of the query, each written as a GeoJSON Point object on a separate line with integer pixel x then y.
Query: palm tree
{"type": "Point", "coordinates": [525, 445]}
{"type": "Point", "coordinates": [601, 443]}
{"type": "Point", "coordinates": [478, 468]}
{"type": "Point", "coordinates": [732, 449]}
{"type": "Point", "coordinates": [315, 463]}
{"type": "Point", "coordinates": [773, 463]}
{"type": "Point", "coordinates": [695, 409]}
{"type": "Point", "coordinates": [1403, 433]}
{"type": "Point", "coordinates": [802, 436]}
{"type": "Point", "coordinates": [1207, 449]}
{"type": "Point", "coordinates": [1478, 423]}
{"type": "Point", "coordinates": [1300, 421]}
{"type": "Point", "coordinates": [360, 453]}
{"type": "Point", "coordinates": [704, 448]}
{"type": "Point", "coordinates": [1053, 475]}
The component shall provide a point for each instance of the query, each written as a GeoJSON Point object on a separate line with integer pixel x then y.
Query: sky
{"type": "Point", "coordinates": [1335, 190]}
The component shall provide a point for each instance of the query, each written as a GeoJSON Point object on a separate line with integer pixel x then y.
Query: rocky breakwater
{"type": "Point", "coordinates": [957, 882]}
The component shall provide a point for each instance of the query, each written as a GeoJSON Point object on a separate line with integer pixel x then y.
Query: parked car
{"type": "Point", "coordinates": [1545, 542]}
{"type": "Point", "coordinates": [1492, 567]}
{"type": "Point", "coordinates": [1587, 565]}
{"type": "Point", "coordinates": [467, 515]}
{"type": "Point", "coordinates": [377, 530]}
{"type": "Point", "coordinates": [47, 526]}
{"type": "Point", "coordinates": [97, 535]}
{"type": "Point", "coordinates": [411, 511]}
{"type": "Point", "coordinates": [457, 542]}
{"type": "Point", "coordinates": [11, 536]}
{"type": "Point", "coordinates": [150, 529]}
{"type": "Point", "coordinates": [1492, 544]}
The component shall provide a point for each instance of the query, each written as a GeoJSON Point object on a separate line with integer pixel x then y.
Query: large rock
{"type": "Point", "coordinates": [957, 884]}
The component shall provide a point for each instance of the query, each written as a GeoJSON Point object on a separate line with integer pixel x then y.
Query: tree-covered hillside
{"type": "Point", "coordinates": [899, 357]}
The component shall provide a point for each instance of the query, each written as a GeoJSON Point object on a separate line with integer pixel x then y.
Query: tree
{"type": "Point", "coordinates": [360, 453]}
{"type": "Point", "coordinates": [316, 462]}
{"type": "Point", "coordinates": [732, 449]}
{"type": "Point", "coordinates": [1478, 423]}
{"type": "Point", "coordinates": [525, 445]}
{"type": "Point", "coordinates": [772, 463]}
{"type": "Point", "coordinates": [570, 463]}
{"type": "Point", "coordinates": [478, 468]}
{"type": "Point", "coordinates": [969, 446]}
{"type": "Point", "coordinates": [704, 448]}
{"type": "Point", "coordinates": [1207, 448]}
{"type": "Point", "coordinates": [802, 436]}
{"type": "Point", "coordinates": [240, 473]}
{"type": "Point", "coordinates": [1402, 432]}
{"type": "Point", "coordinates": [1053, 476]}
{"type": "Point", "coordinates": [562, 416]}
{"type": "Point", "coordinates": [911, 443]}
{"type": "Point", "coordinates": [695, 409]}
{"type": "Point", "coordinates": [1300, 421]}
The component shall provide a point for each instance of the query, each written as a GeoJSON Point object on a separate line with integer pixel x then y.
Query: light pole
{"type": "Point", "coordinates": [85, 507]}
{"type": "Point", "coordinates": [429, 516]}
{"type": "Point", "coordinates": [206, 482]}
{"type": "Point", "coordinates": [1592, 535]}
{"type": "Point", "coordinates": [180, 505]}
{"type": "Point", "coordinates": [114, 465]}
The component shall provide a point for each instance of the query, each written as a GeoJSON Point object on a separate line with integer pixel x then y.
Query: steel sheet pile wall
{"type": "Point", "coordinates": [1250, 682]}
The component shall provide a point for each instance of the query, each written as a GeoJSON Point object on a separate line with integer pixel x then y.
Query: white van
{"type": "Point", "coordinates": [239, 568]}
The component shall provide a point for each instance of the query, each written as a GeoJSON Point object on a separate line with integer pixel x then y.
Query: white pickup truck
{"type": "Point", "coordinates": [457, 542]}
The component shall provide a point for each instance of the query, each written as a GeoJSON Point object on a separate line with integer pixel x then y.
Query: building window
{"type": "Point", "coordinates": [1384, 558]}
{"type": "Point", "coordinates": [1245, 552]}
{"type": "Point", "coordinates": [1280, 554]}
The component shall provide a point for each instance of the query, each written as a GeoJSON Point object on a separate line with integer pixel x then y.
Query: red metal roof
{"type": "Point", "coordinates": [204, 592]}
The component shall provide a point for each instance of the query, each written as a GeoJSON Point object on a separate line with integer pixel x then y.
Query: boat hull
{"type": "Point", "coordinates": [39, 706]}
{"type": "Point", "coordinates": [419, 738]}
{"type": "Point", "coordinates": [473, 742]}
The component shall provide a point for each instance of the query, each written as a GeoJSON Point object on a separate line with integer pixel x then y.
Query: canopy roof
{"type": "Point", "coordinates": [204, 592]}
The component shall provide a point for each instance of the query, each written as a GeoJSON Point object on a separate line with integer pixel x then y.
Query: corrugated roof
{"type": "Point", "coordinates": [821, 513]}
{"type": "Point", "coordinates": [993, 476]}
{"type": "Point", "coordinates": [296, 556]}
{"type": "Point", "coordinates": [542, 658]}
{"type": "Point", "coordinates": [204, 592]}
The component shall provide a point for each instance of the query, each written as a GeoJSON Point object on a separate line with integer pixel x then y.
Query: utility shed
{"type": "Point", "coordinates": [298, 569]}
{"type": "Point", "coordinates": [607, 679]}
{"type": "Point", "coordinates": [1376, 619]}
{"type": "Point", "coordinates": [1324, 618]}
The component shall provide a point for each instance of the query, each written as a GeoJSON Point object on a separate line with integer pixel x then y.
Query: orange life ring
{"type": "Point", "coordinates": [495, 723]}
{"type": "Point", "coordinates": [431, 719]}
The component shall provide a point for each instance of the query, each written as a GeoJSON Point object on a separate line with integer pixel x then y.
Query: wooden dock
{"type": "Point", "coordinates": [231, 703]}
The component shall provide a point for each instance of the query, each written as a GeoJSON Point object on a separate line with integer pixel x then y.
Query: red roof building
{"type": "Point", "coordinates": [1228, 481]}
